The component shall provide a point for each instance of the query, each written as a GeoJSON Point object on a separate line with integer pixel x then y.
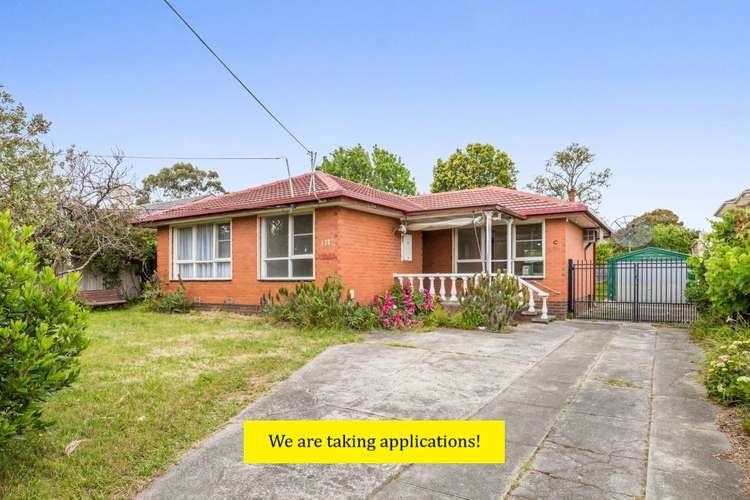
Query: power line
{"type": "Point", "coordinates": [212, 158]}
{"type": "Point", "coordinates": [308, 150]}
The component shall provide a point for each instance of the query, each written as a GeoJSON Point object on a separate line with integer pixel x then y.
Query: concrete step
{"type": "Point", "coordinates": [538, 319]}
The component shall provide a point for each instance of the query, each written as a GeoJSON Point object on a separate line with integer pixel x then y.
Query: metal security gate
{"type": "Point", "coordinates": [643, 290]}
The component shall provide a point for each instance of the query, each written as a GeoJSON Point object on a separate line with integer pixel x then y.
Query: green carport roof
{"type": "Point", "coordinates": [650, 253]}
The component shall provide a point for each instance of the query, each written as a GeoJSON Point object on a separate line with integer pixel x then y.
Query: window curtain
{"type": "Point", "coordinates": [184, 252]}
{"type": "Point", "coordinates": [204, 250]}
{"type": "Point", "coordinates": [185, 243]}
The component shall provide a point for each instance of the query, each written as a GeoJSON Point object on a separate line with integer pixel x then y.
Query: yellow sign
{"type": "Point", "coordinates": [374, 441]}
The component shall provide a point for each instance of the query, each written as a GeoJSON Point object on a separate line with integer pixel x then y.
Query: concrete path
{"type": "Point", "coordinates": [592, 410]}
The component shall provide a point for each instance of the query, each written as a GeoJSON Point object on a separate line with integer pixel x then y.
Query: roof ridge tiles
{"type": "Point", "coordinates": [277, 193]}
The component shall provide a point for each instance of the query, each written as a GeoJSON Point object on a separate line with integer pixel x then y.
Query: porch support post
{"type": "Point", "coordinates": [488, 242]}
{"type": "Point", "coordinates": [509, 243]}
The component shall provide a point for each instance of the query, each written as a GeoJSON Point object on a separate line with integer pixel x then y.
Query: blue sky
{"type": "Point", "coordinates": [660, 91]}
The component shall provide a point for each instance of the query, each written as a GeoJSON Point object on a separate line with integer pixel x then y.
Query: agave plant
{"type": "Point", "coordinates": [493, 300]}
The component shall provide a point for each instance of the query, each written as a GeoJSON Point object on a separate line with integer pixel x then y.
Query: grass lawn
{"type": "Point", "coordinates": [151, 385]}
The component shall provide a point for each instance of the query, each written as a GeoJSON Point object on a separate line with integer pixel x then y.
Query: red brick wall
{"type": "Point", "coordinates": [360, 247]}
{"type": "Point", "coordinates": [555, 260]}
{"type": "Point", "coordinates": [437, 251]}
{"type": "Point", "coordinates": [577, 251]}
{"type": "Point", "coordinates": [365, 250]}
{"type": "Point", "coordinates": [244, 287]}
{"type": "Point", "coordinates": [370, 252]}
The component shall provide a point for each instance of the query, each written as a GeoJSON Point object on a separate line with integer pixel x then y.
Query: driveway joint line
{"type": "Point", "coordinates": [560, 415]}
{"type": "Point", "coordinates": [517, 377]}
{"type": "Point", "coordinates": [579, 482]}
{"type": "Point", "coordinates": [611, 454]}
{"type": "Point", "coordinates": [407, 466]}
{"type": "Point", "coordinates": [364, 412]}
{"type": "Point", "coordinates": [644, 483]}
{"type": "Point", "coordinates": [433, 490]}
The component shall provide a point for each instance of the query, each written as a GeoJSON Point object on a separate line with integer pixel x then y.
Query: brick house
{"type": "Point", "coordinates": [229, 250]}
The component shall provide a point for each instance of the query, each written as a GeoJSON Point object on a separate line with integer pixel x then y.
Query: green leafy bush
{"type": "Point", "coordinates": [722, 273]}
{"type": "Point", "coordinates": [728, 278]}
{"type": "Point", "coordinates": [491, 301]}
{"type": "Point", "coordinates": [728, 375]}
{"type": "Point", "coordinates": [157, 299]}
{"type": "Point", "coordinates": [311, 306]}
{"type": "Point", "coordinates": [441, 317]}
{"type": "Point", "coordinates": [41, 332]}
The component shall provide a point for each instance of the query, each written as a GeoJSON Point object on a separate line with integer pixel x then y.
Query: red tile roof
{"type": "Point", "coordinates": [520, 202]}
{"type": "Point", "coordinates": [327, 186]}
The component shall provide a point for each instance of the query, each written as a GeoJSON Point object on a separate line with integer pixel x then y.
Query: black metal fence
{"type": "Point", "coordinates": [645, 290]}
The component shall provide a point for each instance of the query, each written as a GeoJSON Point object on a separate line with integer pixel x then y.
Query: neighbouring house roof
{"type": "Point", "coordinates": [159, 206]}
{"type": "Point", "coordinates": [742, 200]}
{"type": "Point", "coordinates": [281, 193]}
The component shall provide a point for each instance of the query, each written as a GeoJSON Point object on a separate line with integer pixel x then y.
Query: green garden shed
{"type": "Point", "coordinates": [646, 274]}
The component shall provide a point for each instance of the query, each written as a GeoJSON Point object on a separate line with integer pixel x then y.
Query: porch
{"type": "Point", "coordinates": [464, 245]}
{"type": "Point", "coordinates": [449, 286]}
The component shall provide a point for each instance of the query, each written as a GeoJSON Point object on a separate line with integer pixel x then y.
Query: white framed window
{"type": "Point", "coordinates": [406, 247]}
{"type": "Point", "coordinates": [202, 251]}
{"type": "Point", "coordinates": [287, 245]}
{"type": "Point", "coordinates": [469, 250]}
{"type": "Point", "coordinates": [528, 250]}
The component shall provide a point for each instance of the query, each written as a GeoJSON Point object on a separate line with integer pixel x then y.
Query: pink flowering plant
{"type": "Point", "coordinates": [402, 307]}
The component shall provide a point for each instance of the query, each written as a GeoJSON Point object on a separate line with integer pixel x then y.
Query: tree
{"type": "Point", "coordinates": [41, 332]}
{"type": "Point", "coordinates": [382, 169]}
{"type": "Point", "coordinates": [181, 180]}
{"type": "Point", "coordinates": [479, 165]}
{"type": "Point", "coordinates": [659, 216]}
{"type": "Point", "coordinates": [78, 205]}
{"type": "Point", "coordinates": [673, 237]}
{"type": "Point", "coordinates": [606, 249]}
{"type": "Point", "coordinates": [565, 176]}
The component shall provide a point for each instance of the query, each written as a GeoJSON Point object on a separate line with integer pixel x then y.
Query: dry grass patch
{"type": "Point", "coordinates": [735, 424]}
{"type": "Point", "coordinates": [618, 382]}
{"type": "Point", "coordinates": [151, 386]}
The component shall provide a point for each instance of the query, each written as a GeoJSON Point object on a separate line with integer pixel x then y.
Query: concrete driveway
{"type": "Point", "coordinates": [593, 410]}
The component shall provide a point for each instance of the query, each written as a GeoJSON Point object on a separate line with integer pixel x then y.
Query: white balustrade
{"type": "Point", "coordinates": [450, 293]}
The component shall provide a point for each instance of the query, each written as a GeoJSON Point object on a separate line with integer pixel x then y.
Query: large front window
{"type": "Point", "coordinates": [528, 249]}
{"type": "Point", "coordinates": [470, 250]}
{"type": "Point", "coordinates": [202, 252]}
{"type": "Point", "coordinates": [287, 247]}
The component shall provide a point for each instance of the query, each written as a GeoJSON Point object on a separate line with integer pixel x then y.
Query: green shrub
{"type": "Point", "coordinates": [722, 273]}
{"type": "Point", "coordinates": [728, 375]}
{"type": "Point", "coordinates": [441, 317]}
{"type": "Point", "coordinates": [311, 306]}
{"type": "Point", "coordinates": [359, 317]}
{"type": "Point", "coordinates": [491, 301]}
{"type": "Point", "coordinates": [728, 278]}
{"type": "Point", "coordinates": [41, 332]}
{"type": "Point", "coordinates": [157, 299]}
